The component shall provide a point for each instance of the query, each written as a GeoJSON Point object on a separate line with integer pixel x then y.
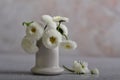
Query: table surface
{"type": "Point", "coordinates": [17, 67]}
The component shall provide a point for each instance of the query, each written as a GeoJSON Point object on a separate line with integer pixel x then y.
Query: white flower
{"type": "Point", "coordinates": [51, 25]}
{"type": "Point", "coordinates": [68, 44]}
{"type": "Point", "coordinates": [51, 38]}
{"type": "Point", "coordinates": [47, 19]}
{"type": "Point", "coordinates": [34, 31]}
{"type": "Point", "coordinates": [83, 63]}
{"type": "Point", "coordinates": [85, 66]}
{"type": "Point", "coordinates": [64, 28]}
{"type": "Point", "coordinates": [95, 71]}
{"type": "Point", "coordinates": [29, 45]}
{"type": "Point", "coordinates": [85, 70]}
{"type": "Point", "coordinates": [78, 68]}
{"type": "Point", "coordinates": [59, 18]}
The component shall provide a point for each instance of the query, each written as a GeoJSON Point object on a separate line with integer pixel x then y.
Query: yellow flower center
{"type": "Point", "coordinates": [68, 46]}
{"type": "Point", "coordinates": [33, 30]}
{"type": "Point", "coordinates": [52, 40]}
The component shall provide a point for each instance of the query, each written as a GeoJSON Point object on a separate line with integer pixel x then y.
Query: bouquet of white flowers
{"type": "Point", "coordinates": [53, 34]}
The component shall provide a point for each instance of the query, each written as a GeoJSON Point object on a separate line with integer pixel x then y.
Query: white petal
{"type": "Point", "coordinates": [85, 70]}
{"type": "Point", "coordinates": [95, 71]}
{"type": "Point", "coordinates": [29, 45]}
{"type": "Point", "coordinates": [51, 25]}
{"type": "Point", "coordinates": [47, 19]}
{"type": "Point", "coordinates": [46, 39]}
{"type": "Point", "coordinates": [59, 18]}
{"type": "Point", "coordinates": [83, 63]}
{"type": "Point", "coordinates": [84, 66]}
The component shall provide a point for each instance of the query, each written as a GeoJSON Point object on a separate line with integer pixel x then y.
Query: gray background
{"type": "Point", "coordinates": [94, 24]}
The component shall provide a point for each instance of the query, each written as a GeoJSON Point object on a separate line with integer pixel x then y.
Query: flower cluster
{"type": "Point", "coordinates": [53, 34]}
{"type": "Point", "coordinates": [81, 67]}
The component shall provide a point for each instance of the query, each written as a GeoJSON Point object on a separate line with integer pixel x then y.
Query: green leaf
{"type": "Point", "coordinates": [27, 23]}
{"type": "Point", "coordinates": [60, 30]}
{"type": "Point", "coordinates": [61, 21]}
{"type": "Point", "coordinates": [45, 27]}
{"type": "Point", "coordinates": [68, 69]}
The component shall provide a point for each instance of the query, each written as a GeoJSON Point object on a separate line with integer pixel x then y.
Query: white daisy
{"type": "Point", "coordinates": [68, 44]}
{"type": "Point", "coordinates": [77, 67]}
{"type": "Point", "coordinates": [85, 70]}
{"type": "Point", "coordinates": [83, 63]}
{"type": "Point", "coordinates": [51, 38]}
{"type": "Point", "coordinates": [59, 18]}
{"type": "Point", "coordinates": [46, 19]}
{"type": "Point", "coordinates": [29, 45]}
{"type": "Point", "coordinates": [95, 71]}
{"type": "Point", "coordinates": [84, 66]}
{"type": "Point", "coordinates": [34, 30]}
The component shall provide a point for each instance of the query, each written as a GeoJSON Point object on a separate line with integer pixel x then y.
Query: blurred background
{"type": "Point", "coordinates": [94, 24]}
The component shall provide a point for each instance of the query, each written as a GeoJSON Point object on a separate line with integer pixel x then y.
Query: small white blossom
{"type": "Point", "coordinates": [85, 66]}
{"type": "Point", "coordinates": [95, 71]}
{"type": "Point", "coordinates": [59, 18]}
{"type": "Point", "coordinates": [46, 19]}
{"type": "Point", "coordinates": [51, 38]}
{"type": "Point", "coordinates": [85, 70]}
{"type": "Point", "coordinates": [83, 63]}
{"type": "Point", "coordinates": [77, 67]}
{"type": "Point", "coordinates": [64, 28]}
{"type": "Point", "coordinates": [35, 31]}
{"type": "Point", "coordinates": [29, 45]}
{"type": "Point", "coordinates": [68, 44]}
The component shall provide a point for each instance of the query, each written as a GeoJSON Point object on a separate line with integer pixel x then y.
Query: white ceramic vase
{"type": "Point", "coordinates": [47, 61]}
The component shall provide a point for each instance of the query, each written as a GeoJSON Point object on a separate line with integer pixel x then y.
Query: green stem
{"type": "Point", "coordinates": [27, 23]}
{"type": "Point", "coordinates": [68, 69]}
{"type": "Point", "coordinates": [58, 25]}
{"type": "Point", "coordinates": [45, 27]}
{"type": "Point", "coordinates": [59, 29]}
{"type": "Point", "coordinates": [65, 36]}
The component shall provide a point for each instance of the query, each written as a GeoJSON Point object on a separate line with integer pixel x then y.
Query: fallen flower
{"type": "Point", "coordinates": [84, 66]}
{"type": "Point", "coordinates": [81, 67]}
{"type": "Point", "coordinates": [77, 67]}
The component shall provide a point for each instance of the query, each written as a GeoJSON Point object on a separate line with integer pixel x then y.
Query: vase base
{"type": "Point", "coordinates": [47, 71]}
